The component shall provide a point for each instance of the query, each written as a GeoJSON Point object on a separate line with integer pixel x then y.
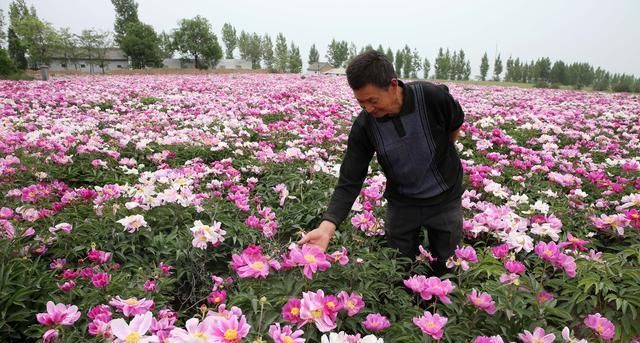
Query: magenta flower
{"type": "Point", "coordinates": [251, 263]}
{"type": "Point", "coordinates": [285, 334]}
{"type": "Point", "coordinates": [67, 286]}
{"type": "Point", "coordinates": [230, 330]}
{"type": "Point", "coordinates": [217, 297]}
{"type": "Point", "coordinates": [101, 280]}
{"type": "Point", "coordinates": [311, 258]}
{"type": "Point", "coordinates": [538, 336]}
{"type": "Point", "coordinates": [482, 300]}
{"type": "Point", "coordinates": [131, 306]}
{"type": "Point", "coordinates": [463, 257]}
{"type": "Point", "coordinates": [548, 252]}
{"type": "Point", "coordinates": [428, 287]}
{"type": "Point", "coordinates": [574, 242]}
{"type": "Point", "coordinates": [194, 330]}
{"type": "Point", "coordinates": [291, 311]}
{"type": "Point", "coordinates": [431, 324]}
{"type": "Point", "coordinates": [376, 322]}
{"type": "Point", "coordinates": [58, 264]}
{"type": "Point", "coordinates": [340, 256]}
{"type": "Point", "coordinates": [515, 267]}
{"type": "Point", "coordinates": [312, 309]}
{"type": "Point", "coordinates": [150, 286]}
{"type": "Point", "coordinates": [601, 325]}
{"type": "Point", "coordinates": [50, 336]}
{"type": "Point", "coordinates": [544, 296]}
{"type": "Point", "coordinates": [353, 302]}
{"type": "Point", "coordinates": [58, 314]}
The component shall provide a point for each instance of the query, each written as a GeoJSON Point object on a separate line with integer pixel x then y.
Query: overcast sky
{"type": "Point", "coordinates": [603, 33]}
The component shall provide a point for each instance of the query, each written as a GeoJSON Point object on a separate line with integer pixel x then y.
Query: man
{"type": "Point", "coordinates": [412, 129]}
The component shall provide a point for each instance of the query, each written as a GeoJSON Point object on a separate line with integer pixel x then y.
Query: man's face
{"type": "Point", "coordinates": [375, 100]}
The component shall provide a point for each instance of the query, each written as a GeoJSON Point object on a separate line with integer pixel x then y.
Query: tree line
{"type": "Point", "coordinates": [194, 39]}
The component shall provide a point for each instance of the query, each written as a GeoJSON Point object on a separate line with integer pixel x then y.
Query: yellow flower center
{"type": "Point", "coordinates": [200, 335]}
{"type": "Point", "coordinates": [133, 337]}
{"type": "Point", "coordinates": [287, 339]}
{"type": "Point", "coordinates": [548, 252]}
{"type": "Point", "coordinates": [295, 311]}
{"type": "Point", "coordinates": [257, 265]}
{"type": "Point", "coordinates": [310, 258]}
{"type": "Point", "coordinates": [331, 304]}
{"type": "Point", "coordinates": [351, 304]}
{"type": "Point", "coordinates": [316, 314]}
{"type": "Point", "coordinates": [231, 335]}
{"type": "Point", "coordinates": [430, 325]}
{"type": "Point", "coordinates": [131, 301]}
{"type": "Point", "coordinates": [600, 329]}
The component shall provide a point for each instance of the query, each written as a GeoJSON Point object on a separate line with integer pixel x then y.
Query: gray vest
{"type": "Point", "coordinates": [407, 159]}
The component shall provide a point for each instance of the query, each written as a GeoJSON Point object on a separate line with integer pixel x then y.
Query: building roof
{"type": "Point", "coordinates": [336, 71]}
{"type": "Point", "coordinates": [318, 66]}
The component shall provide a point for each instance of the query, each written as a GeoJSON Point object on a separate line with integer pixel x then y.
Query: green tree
{"type": "Point", "coordinates": [426, 67]}
{"type": "Point", "coordinates": [104, 42]}
{"type": "Point", "coordinates": [484, 67]}
{"type": "Point", "coordinates": [16, 49]}
{"type": "Point", "coordinates": [558, 73]}
{"type": "Point", "coordinates": [88, 41]}
{"type": "Point", "coordinates": [407, 66]}
{"type": "Point", "coordinates": [165, 43]}
{"type": "Point", "coordinates": [380, 49]}
{"type": "Point", "coordinates": [466, 72]}
{"type": "Point", "coordinates": [39, 38]}
{"type": "Point", "coordinates": [142, 44]}
{"type": "Point", "coordinates": [601, 81]}
{"type": "Point", "coordinates": [441, 66]}
{"type": "Point", "coordinates": [389, 55]}
{"type": "Point", "coordinates": [267, 52]}
{"type": "Point", "coordinates": [416, 64]}
{"type": "Point", "coordinates": [68, 47]}
{"type": "Point", "coordinates": [126, 13]}
{"type": "Point", "coordinates": [497, 68]}
{"type": "Point", "coordinates": [282, 53]}
{"type": "Point", "coordinates": [295, 61]}
{"type": "Point", "coordinates": [255, 50]}
{"type": "Point", "coordinates": [244, 40]}
{"type": "Point", "coordinates": [7, 68]}
{"type": "Point", "coordinates": [230, 39]}
{"type": "Point", "coordinates": [399, 62]}
{"type": "Point", "coordinates": [314, 55]}
{"type": "Point", "coordinates": [194, 38]}
{"type": "Point", "coordinates": [337, 53]}
{"type": "Point", "coordinates": [2, 24]}
{"type": "Point", "coordinates": [353, 52]}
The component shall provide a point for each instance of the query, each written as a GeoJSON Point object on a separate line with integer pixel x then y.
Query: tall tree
{"type": "Point", "coordinates": [337, 53]}
{"type": "Point", "coordinates": [417, 64]}
{"type": "Point", "coordinates": [407, 67]}
{"type": "Point", "coordinates": [282, 53]}
{"type": "Point", "coordinates": [353, 52]}
{"type": "Point", "coordinates": [39, 38]}
{"type": "Point", "coordinates": [68, 47]}
{"type": "Point", "coordinates": [399, 62]}
{"type": "Point", "coordinates": [126, 13]}
{"type": "Point", "coordinates": [230, 39]}
{"type": "Point", "coordinates": [314, 55]}
{"type": "Point", "coordinates": [16, 49]}
{"type": "Point", "coordinates": [389, 54]}
{"type": "Point", "coordinates": [104, 42]}
{"type": "Point", "coordinates": [295, 61]}
{"type": "Point", "coordinates": [255, 50]}
{"type": "Point", "coordinates": [165, 43]}
{"type": "Point", "coordinates": [195, 38]}
{"type": "Point", "coordinates": [497, 68]}
{"type": "Point", "coordinates": [267, 52]}
{"type": "Point", "coordinates": [244, 42]}
{"type": "Point", "coordinates": [2, 24]}
{"type": "Point", "coordinates": [484, 67]}
{"type": "Point", "coordinates": [380, 49]}
{"type": "Point", "coordinates": [88, 42]}
{"type": "Point", "coordinates": [440, 66]}
{"type": "Point", "coordinates": [426, 67]}
{"type": "Point", "coordinates": [141, 43]}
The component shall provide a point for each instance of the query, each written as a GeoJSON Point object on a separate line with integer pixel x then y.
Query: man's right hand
{"type": "Point", "coordinates": [321, 236]}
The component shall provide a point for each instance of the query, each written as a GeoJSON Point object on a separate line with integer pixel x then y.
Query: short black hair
{"type": "Point", "coordinates": [371, 67]}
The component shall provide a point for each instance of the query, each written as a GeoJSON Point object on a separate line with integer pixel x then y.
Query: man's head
{"type": "Point", "coordinates": [374, 83]}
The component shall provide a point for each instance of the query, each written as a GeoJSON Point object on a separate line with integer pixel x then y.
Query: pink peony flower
{"type": "Point", "coordinates": [285, 334]}
{"type": "Point", "coordinates": [431, 324]}
{"type": "Point", "coordinates": [101, 280]}
{"type": "Point", "coordinates": [50, 336]}
{"type": "Point", "coordinates": [58, 314]}
{"type": "Point", "coordinates": [482, 300]}
{"type": "Point", "coordinates": [131, 306]}
{"type": "Point", "coordinates": [291, 311]}
{"type": "Point", "coordinates": [340, 256]}
{"type": "Point", "coordinates": [311, 258]}
{"type": "Point", "coordinates": [486, 339]}
{"type": "Point", "coordinates": [601, 325]}
{"type": "Point", "coordinates": [312, 309]}
{"type": "Point", "coordinates": [538, 336]}
{"type": "Point", "coordinates": [251, 263]}
{"type": "Point", "coordinates": [230, 330]}
{"type": "Point", "coordinates": [134, 331]}
{"type": "Point", "coordinates": [353, 302]}
{"type": "Point", "coordinates": [376, 322]}
{"type": "Point", "coordinates": [515, 267]}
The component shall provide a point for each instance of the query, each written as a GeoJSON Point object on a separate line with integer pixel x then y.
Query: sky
{"type": "Point", "coordinates": [602, 33]}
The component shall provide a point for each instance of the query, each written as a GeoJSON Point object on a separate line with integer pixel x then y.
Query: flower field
{"type": "Point", "coordinates": [164, 208]}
